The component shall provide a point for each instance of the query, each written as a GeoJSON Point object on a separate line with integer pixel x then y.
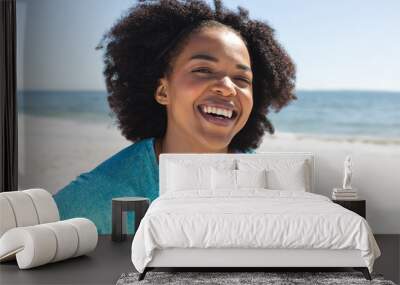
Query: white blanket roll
{"type": "Point", "coordinates": [7, 218]}
{"type": "Point", "coordinates": [45, 206]}
{"type": "Point", "coordinates": [40, 244]}
{"type": "Point", "coordinates": [26, 208]}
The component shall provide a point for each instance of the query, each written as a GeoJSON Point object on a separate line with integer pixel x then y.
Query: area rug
{"type": "Point", "coordinates": [269, 278]}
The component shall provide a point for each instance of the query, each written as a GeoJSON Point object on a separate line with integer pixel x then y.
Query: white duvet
{"type": "Point", "coordinates": [252, 218]}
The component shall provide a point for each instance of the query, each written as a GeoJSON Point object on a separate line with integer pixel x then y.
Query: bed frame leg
{"type": "Point", "coordinates": [364, 271]}
{"type": "Point", "coordinates": [143, 274]}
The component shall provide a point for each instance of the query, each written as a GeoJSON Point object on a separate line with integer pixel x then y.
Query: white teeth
{"type": "Point", "coordinates": [218, 111]}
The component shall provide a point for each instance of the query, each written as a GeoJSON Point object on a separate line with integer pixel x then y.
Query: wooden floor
{"type": "Point", "coordinates": [110, 260]}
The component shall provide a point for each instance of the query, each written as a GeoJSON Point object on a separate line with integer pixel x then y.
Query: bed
{"type": "Point", "coordinates": [248, 211]}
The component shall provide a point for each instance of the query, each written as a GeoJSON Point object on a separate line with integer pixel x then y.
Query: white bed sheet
{"type": "Point", "coordinates": [251, 218]}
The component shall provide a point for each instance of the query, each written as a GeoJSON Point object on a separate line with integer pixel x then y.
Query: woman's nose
{"type": "Point", "coordinates": [225, 87]}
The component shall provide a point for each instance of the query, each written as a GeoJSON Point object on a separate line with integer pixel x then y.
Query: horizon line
{"type": "Point", "coordinates": [301, 90]}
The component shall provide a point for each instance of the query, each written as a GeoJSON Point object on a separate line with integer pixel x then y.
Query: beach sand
{"type": "Point", "coordinates": [53, 151]}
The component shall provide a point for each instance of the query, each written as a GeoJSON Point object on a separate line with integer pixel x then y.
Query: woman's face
{"type": "Point", "coordinates": [208, 94]}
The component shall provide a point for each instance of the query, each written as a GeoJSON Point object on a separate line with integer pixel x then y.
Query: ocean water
{"type": "Point", "coordinates": [369, 114]}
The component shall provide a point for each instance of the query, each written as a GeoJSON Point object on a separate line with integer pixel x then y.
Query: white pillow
{"type": "Point", "coordinates": [251, 178]}
{"type": "Point", "coordinates": [293, 179]}
{"type": "Point", "coordinates": [181, 177]}
{"type": "Point", "coordinates": [223, 179]}
{"type": "Point", "coordinates": [193, 174]}
{"type": "Point", "coordinates": [282, 174]}
{"type": "Point", "coordinates": [227, 179]}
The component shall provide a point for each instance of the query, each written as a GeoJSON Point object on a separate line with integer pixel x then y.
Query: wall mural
{"type": "Point", "coordinates": [347, 99]}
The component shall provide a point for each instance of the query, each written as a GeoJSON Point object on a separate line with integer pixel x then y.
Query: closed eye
{"type": "Point", "coordinates": [203, 70]}
{"type": "Point", "coordinates": [209, 71]}
{"type": "Point", "coordinates": [244, 79]}
{"type": "Point", "coordinates": [243, 82]}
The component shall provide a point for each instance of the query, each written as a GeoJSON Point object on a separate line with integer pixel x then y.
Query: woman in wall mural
{"type": "Point", "coordinates": [182, 77]}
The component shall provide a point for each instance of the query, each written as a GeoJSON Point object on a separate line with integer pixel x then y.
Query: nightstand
{"type": "Point", "coordinates": [120, 206]}
{"type": "Point", "coordinates": [357, 206]}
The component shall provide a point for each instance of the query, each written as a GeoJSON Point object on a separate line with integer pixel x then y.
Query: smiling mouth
{"type": "Point", "coordinates": [219, 118]}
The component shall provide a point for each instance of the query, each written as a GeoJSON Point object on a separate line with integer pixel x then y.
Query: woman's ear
{"type": "Point", "coordinates": [161, 95]}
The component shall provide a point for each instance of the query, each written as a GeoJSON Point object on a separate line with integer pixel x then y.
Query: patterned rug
{"type": "Point", "coordinates": [243, 278]}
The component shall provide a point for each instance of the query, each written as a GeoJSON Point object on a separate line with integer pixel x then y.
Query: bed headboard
{"type": "Point", "coordinates": [212, 159]}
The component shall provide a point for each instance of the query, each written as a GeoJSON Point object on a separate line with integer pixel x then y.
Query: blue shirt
{"type": "Point", "coordinates": [131, 172]}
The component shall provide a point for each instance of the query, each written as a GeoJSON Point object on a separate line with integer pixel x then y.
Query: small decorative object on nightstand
{"type": "Point", "coordinates": [347, 192]}
{"type": "Point", "coordinates": [122, 205]}
{"type": "Point", "coordinates": [358, 206]}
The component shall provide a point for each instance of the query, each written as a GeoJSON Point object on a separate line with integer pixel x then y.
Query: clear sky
{"type": "Point", "coordinates": [341, 44]}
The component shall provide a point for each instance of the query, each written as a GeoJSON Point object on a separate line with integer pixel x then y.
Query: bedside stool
{"type": "Point", "coordinates": [120, 206]}
{"type": "Point", "coordinates": [358, 206]}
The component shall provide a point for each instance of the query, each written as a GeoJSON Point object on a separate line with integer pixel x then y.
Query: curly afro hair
{"type": "Point", "coordinates": [139, 50]}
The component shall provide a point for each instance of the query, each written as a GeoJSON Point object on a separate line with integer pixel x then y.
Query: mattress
{"type": "Point", "coordinates": [250, 219]}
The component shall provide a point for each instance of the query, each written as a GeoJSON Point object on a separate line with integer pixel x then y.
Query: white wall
{"type": "Point", "coordinates": [376, 173]}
